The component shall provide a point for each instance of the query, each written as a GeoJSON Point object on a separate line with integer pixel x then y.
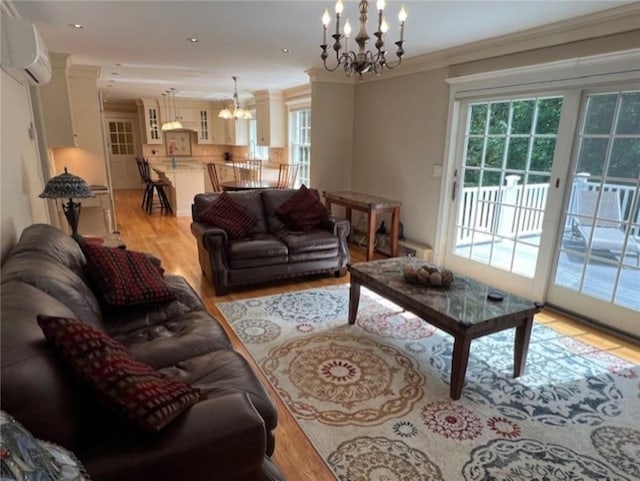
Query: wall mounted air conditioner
{"type": "Point", "coordinates": [24, 55]}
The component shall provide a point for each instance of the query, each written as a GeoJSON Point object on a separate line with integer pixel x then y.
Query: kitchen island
{"type": "Point", "coordinates": [186, 181]}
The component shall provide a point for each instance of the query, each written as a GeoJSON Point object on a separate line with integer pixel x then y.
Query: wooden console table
{"type": "Point", "coordinates": [372, 206]}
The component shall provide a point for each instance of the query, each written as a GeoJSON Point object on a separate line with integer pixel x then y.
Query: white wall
{"type": "Point", "coordinates": [331, 135]}
{"type": "Point", "coordinates": [20, 173]}
{"type": "Point", "coordinates": [399, 135]}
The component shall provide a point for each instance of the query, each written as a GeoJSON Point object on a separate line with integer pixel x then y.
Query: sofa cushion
{"type": "Point", "coordinates": [147, 398]}
{"type": "Point", "coordinates": [229, 215]}
{"type": "Point", "coordinates": [249, 199]}
{"type": "Point", "coordinates": [259, 250]}
{"type": "Point", "coordinates": [125, 278]}
{"type": "Point", "coordinates": [313, 241]}
{"type": "Point", "coordinates": [303, 210]}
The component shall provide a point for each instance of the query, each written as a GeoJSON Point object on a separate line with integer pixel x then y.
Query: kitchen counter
{"type": "Point", "coordinates": [186, 181]}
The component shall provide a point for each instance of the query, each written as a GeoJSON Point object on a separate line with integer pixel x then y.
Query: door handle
{"type": "Point", "coordinates": [453, 191]}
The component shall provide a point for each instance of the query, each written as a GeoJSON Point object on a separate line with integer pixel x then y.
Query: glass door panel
{"type": "Point", "coordinates": [599, 247]}
{"type": "Point", "coordinates": [508, 153]}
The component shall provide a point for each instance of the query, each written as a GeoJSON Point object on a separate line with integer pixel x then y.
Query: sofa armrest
{"type": "Point", "coordinates": [210, 236]}
{"type": "Point", "coordinates": [338, 226]}
{"type": "Point", "coordinates": [219, 438]}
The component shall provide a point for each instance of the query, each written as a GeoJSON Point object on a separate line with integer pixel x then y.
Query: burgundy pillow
{"type": "Point", "coordinates": [229, 215]}
{"type": "Point", "coordinates": [303, 210]}
{"type": "Point", "coordinates": [125, 277]}
{"type": "Point", "coordinates": [147, 398]}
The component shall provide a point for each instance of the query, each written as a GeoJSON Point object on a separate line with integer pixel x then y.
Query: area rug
{"type": "Point", "coordinates": [373, 398]}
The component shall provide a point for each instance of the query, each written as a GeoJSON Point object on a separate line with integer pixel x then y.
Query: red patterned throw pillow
{"type": "Point", "coordinates": [303, 210]}
{"type": "Point", "coordinates": [125, 277]}
{"type": "Point", "coordinates": [147, 398]}
{"type": "Point", "coordinates": [229, 215]}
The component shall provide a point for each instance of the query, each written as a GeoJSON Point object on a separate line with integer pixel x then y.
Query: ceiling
{"type": "Point", "coordinates": [143, 47]}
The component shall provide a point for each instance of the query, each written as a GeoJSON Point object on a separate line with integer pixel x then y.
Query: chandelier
{"type": "Point", "coordinates": [175, 123]}
{"type": "Point", "coordinates": [237, 112]}
{"type": "Point", "coordinates": [364, 60]}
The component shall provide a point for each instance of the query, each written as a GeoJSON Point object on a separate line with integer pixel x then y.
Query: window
{"type": "Point", "coordinates": [300, 143]}
{"type": "Point", "coordinates": [256, 151]}
{"type": "Point", "coordinates": [121, 136]}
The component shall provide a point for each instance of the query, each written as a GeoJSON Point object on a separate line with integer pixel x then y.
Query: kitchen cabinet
{"type": "Point", "coordinates": [205, 126]}
{"type": "Point", "coordinates": [150, 121]}
{"type": "Point", "coordinates": [270, 118]}
{"type": "Point", "coordinates": [56, 104]}
{"type": "Point", "coordinates": [237, 132]}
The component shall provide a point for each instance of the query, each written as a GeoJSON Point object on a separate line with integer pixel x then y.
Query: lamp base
{"type": "Point", "coordinates": [72, 213]}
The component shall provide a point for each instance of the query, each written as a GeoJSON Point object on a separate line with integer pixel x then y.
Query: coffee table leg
{"type": "Point", "coordinates": [459, 363]}
{"type": "Point", "coordinates": [354, 300]}
{"type": "Point", "coordinates": [523, 334]}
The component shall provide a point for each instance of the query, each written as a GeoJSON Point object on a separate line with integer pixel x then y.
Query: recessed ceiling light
{"type": "Point", "coordinates": [192, 40]}
{"type": "Point", "coordinates": [76, 25]}
{"type": "Point", "coordinates": [115, 73]}
{"type": "Point", "coordinates": [285, 50]}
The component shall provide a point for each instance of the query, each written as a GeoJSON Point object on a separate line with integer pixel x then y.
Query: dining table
{"type": "Point", "coordinates": [249, 184]}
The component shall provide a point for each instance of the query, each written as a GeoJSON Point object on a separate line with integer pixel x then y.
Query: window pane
{"type": "Point", "coordinates": [518, 150]}
{"type": "Point", "coordinates": [629, 118]}
{"type": "Point", "coordinates": [495, 152]}
{"type": "Point", "coordinates": [522, 117]}
{"type": "Point", "coordinates": [625, 158]}
{"type": "Point", "coordinates": [474, 151]}
{"type": "Point", "coordinates": [498, 118]}
{"type": "Point", "coordinates": [478, 119]}
{"type": "Point", "coordinates": [600, 110]}
{"type": "Point", "coordinates": [548, 116]}
{"type": "Point", "coordinates": [592, 156]}
{"type": "Point", "coordinates": [542, 154]}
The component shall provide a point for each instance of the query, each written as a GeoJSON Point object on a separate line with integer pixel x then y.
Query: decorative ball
{"type": "Point", "coordinates": [428, 276]}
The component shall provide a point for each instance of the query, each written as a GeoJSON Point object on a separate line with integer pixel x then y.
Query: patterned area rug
{"type": "Point", "coordinates": [374, 397]}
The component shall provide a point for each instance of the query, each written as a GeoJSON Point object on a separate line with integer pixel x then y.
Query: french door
{"type": "Point", "coordinates": [123, 138]}
{"type": "Point", "coordinates": [597, 270]}
{"type": "Point", "coordinates": [507, 192]}
{"type": "Point", "coordinates": [547, 200]}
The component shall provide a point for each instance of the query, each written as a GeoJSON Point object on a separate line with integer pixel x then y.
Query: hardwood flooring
{"type": "Point", "coordinates": [170, 239]}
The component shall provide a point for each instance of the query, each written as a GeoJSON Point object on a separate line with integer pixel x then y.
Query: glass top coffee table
{"type": "Point", "coordinates": [462, 310]}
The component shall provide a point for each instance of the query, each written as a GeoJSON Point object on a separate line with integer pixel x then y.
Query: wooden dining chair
{"type": "Point", "coordinates": [248, 170]}
{"type": "Point", "coordinates": [287, 174]}
{"type": "Point", "coordinates": [213, 176]}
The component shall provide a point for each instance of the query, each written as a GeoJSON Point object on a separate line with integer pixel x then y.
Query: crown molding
{"type": "Point", "coordinates": [616, 20]}
{"type": "Point", "coordinates": [317, 75]}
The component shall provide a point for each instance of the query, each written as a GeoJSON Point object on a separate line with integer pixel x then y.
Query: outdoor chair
{"type": "Point", "coordinates": [604, 229]}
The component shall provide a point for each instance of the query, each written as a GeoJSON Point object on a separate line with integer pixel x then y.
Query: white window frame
{"type": "Point", "coordinates": [299, 130]}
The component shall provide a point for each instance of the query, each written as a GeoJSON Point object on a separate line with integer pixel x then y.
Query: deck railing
{"type": "Point", "coordinates": [514, 209]}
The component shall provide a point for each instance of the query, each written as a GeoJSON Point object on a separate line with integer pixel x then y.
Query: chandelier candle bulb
{"type": "Point", "coordinates": [402, 16]}
{"type": "Point", "coordinates": [326, 19]}
{"type": "Point", "coordinates": [361, 60]}
{"type": "Point", "coordinates": [347, 34]}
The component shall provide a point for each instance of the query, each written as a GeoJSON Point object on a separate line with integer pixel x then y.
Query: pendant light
{"type": "Point", "coordinates": [237, 113]}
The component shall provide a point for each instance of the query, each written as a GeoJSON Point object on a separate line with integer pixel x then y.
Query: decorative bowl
{"type": "Point", "coordinates": [428, 276]}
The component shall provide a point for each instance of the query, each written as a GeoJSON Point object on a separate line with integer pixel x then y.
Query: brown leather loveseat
{"type": "Point", "coordinates": [228, 435]}
{"type": "Point", "coordinates": [271, 250]}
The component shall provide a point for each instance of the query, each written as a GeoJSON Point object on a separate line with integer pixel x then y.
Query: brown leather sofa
{"type": "Point", "coordinates": [271, 250]}
{"type": "Point", "coordinates": [227, 436]}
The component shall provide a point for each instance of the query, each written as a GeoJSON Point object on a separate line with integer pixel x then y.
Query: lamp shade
{"type": "Point", "coordinates": [66, 185]}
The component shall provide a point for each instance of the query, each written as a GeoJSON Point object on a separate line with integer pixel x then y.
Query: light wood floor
{"type": "Point", "coordinates": [170, 239]}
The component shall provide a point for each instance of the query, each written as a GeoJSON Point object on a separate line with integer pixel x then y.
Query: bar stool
{"type": "Point", "coordinates": [152, 187]}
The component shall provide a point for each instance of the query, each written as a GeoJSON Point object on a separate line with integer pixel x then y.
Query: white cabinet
{"type": "Point", "coordinates": [237, 132]}
{"type": "Point", "coordinates": [56, 104]}
{"type": "Point", "coordinates": [205, 127]}
{"type": "Point", "coordinates": [270, 118]}
{"type": "Point", "coordinates": [218, 131]}
{"type": "Point", "coordinates": [150, 121]}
